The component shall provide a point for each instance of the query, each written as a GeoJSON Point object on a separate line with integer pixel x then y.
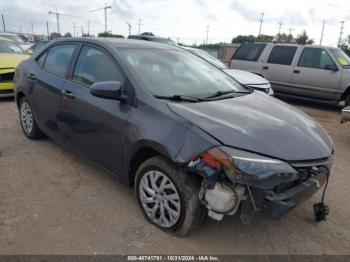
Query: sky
{"type": "Point", "coordinates": [183, 20]}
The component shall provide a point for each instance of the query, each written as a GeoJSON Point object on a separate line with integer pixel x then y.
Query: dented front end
{"type": "Point", "coordinates": [239, 181]}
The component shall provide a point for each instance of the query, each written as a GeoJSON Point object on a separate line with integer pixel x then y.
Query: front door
{"type": "Point", "coordinates": [311, 76]}
{"type": "Point", "coordinates": [94, 127]}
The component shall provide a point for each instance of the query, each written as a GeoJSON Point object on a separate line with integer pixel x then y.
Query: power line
{"type": "Point", "coordinates": [261, 21]}
{"type": "Point", "coordinates": [323, 24]}
{"type": "Point", "coordinates": [341, 32]}
{"type": "Point", "coordinates": [140, 24]}
{"type": "Point", "coordinates": [105, 12]}
{"type": "Point", "coordinates": [206, 41]}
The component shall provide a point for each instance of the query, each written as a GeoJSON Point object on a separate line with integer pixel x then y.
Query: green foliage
{"type": "Point", "coordinates": [345, 45]}
{"type": "Point", "coordinates": [244, 39]}
{"type": "Point", "coordinates": [264, 38]}
{"type": "Point", "coordinates": [148, 33]}
{"type": "Point", "coordinates": [303, 39]}
{"type": "Point", "coordinates": [210, 46]}
{"type": "Point", "coordinates": [54, 35]}
{"type": "Point", "coordinates": [107, 34]}
{"type": "Point", "coordinates": [284, 38]}
{"type": "Point", "coordinates": [67, 34]}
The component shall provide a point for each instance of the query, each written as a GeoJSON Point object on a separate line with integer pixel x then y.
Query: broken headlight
{"type": "Point", "coordinates": [239, 162]}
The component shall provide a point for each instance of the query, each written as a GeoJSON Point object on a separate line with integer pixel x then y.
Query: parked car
{"type": "Point", "coordinates": [244, 77]}
{"type": "Point", "coordinates": [162, 40]}
{"type": "Point", "coordinates": [11, 54]}
{"type": "Point", "coordinates": [345, 114]}
{"type": "Point", "coordinates": [17, 38]}
{"type": "Point", "coordinates": [190, 139]}
{"type": "Point", "coordinates": [37, 46]}
{"type": "Point", "coordinates": [310, 71]}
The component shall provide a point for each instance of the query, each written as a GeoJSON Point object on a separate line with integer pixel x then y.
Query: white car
{"type": "Point", "coordinates": [244, 77]}
{"type": "Point", "coordinates": [17, 38]}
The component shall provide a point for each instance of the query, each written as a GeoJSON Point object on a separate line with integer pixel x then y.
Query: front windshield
{"type": "Point", "coordinates": [169, 72]}
{"type": "Point", "coordinates": [341, 57]}
{"type": "Point", "coordinates": [209, 58]}
{"type": "Point", "coordinates": [10, 47]}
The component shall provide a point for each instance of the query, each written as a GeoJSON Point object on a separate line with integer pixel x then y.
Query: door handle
{"type": "Point", "coordinates": [68, 94]}
{"type": "Point", "coordinates": [31, 76]}
{"type": "Point", "coordinates": [296, 71]}
{"type": "Point", "coordinates": [265, 67]}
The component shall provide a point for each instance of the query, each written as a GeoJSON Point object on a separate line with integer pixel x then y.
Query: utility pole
{"type": "Point", "coordinates": [178, 40]}
{"type": "Point", "coordinates": [290, 30]}
{"type": "Point", "coordinates": [323, 24]}
{"type": "Point", "coordinates": [341, 32]}
{"type": "Point", "coordinates": [20, 29]}
{"type": "Point", "coordinates": [57, 14]}
{"type": "Point", "coordinates": [280, 24]}
{"type": "Point", "coordinates": [206, 41]}
{"type": "Point", "coordinates": [140, 24]}
{"type": "Point", "coordinates": [105, 12]}
{"type": "Point", "coordinates": [82, 31]}
{"type": "Point", "coordinates": [3, 22]}
{"type": "Point", "coordinates": [74, 26]}
{"type": "Point", "coordinates": [261, 21]}
{"type": "Point", "coordinates": [47, 30]}
{"type": "Point", "coordinates": [88, 27]}
{"type": "Point", "coordinates": [129, 26]}
{"type": "Point", "coordinates": [32, 24]}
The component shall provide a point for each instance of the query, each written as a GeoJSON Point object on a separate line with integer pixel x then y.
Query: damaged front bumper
{"type": "Point", "coordinates": [226, 193]}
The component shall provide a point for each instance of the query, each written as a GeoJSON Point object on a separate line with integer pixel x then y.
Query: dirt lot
{"type": "Point", "coordinates": [53, 202]}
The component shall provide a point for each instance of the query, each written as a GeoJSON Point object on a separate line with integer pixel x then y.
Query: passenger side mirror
{"type": "Point", "coordinates": [108, 90]}
{"type": "Point", "coordinates": [331, 67]}
{"type": "Point", "coordinates": [29, 52]}
{"type": "Point", "coordinates": [345, 115]}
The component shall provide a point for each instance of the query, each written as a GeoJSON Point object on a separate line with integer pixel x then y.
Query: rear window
{"type": "Point", "coordinates": [249, 52]}
{"type": "Point", "coordinates": [282, 55]}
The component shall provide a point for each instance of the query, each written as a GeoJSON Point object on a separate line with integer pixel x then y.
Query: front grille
{"type": "Point", "coordinates": [8, 77]}
{"type": "Point", "coordinates": [306, 169]}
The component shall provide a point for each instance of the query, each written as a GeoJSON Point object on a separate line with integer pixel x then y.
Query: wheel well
{"type": "Point", "coordinates": [140, 156]}
{"type": "Point", "coordinates": [19, 97]}
{"type": "Point", "coordinates": [345, 94]}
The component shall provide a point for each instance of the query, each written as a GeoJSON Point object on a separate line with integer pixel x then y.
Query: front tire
{"type": "Point", "coordinates": [168, 196]}
{"type": "Point", "coordinates": [27, 120]}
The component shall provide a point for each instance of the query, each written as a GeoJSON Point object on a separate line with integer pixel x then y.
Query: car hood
{"type": "Point", "coordinates": [245, 77]}
{"type": "Point", "coordinates": [11, 60]}
{"type": "Point", "coordinates": [260, 124]}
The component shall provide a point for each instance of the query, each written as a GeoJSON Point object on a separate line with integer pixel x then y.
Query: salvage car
{"type": "Point", "coordinates": [306, 71]}
{"type": "Point", "coordinates": [244, 77]}
{"type": "Point", "coordinates": [190, 139]}
{"type": "Point", "coordinates": [11, 55]}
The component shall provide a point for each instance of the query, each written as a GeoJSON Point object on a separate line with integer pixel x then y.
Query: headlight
{"type": "Point", "coordinates": [245, 163]}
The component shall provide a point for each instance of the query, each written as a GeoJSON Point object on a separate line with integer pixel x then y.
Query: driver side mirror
{"type": "Point", "coordinates": [108, 90]}
{"type": "Point", "coordinates": [29, 52]}
{"type": "Point", "coordinates": [331, 67]}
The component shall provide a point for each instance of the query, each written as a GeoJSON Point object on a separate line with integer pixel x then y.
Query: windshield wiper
{"type": "Point", "coordinates": [181, 98]}
{"type": "Point", "coordinates": [222, 93]}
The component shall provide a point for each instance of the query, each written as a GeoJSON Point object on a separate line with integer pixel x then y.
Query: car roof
{"type": "Point", "coordinates": [5, 39]}
{"type": "Point", "coordinates": [294, 44]}
{"type": "Point", "coordinates": [118, 42]}
{"type": "Point", "coordinates": [4, 33]}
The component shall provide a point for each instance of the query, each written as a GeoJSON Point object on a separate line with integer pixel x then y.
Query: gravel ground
{"type": "Point", "coordinates": [53, 202]}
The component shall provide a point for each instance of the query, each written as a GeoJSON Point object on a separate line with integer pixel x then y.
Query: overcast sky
{"type": "Point", "coordinates": [184, 19]}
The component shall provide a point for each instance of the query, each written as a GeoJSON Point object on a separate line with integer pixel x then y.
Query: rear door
{"type": "Point", "coordinates": [94, 127]}
{"type": "Point", "coordinates": [248, 57]}
{"type": "Point", "coordinates": [47, 76]}
{"type": "Point", "coordinates": [311, 77]}
{"type": "Point", "coordinates": [278, 67]}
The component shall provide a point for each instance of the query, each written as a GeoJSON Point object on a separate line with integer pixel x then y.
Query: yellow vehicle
{"type": "Point", "coordinates": [11, 54]}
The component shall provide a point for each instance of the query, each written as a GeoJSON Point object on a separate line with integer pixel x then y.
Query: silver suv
{"type": "Point", "coordinates": [317, 72]}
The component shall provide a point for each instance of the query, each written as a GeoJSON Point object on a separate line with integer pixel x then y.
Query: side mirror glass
{"type": "Point", "coordinates": [29, 52]}
{"type": "Point", "coordinates": [331, 67]}
{"type": "Point", "coordinates": [345, 115]}
{"type": "Point", "coordinates": [108, 90]}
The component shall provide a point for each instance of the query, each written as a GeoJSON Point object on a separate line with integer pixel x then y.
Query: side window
{"type": "Point", "coordinates": [41, 59]}
{"type": "Point", "coordinates": [249, 52]}
{"type": "Point", "coordinates": [58, 57]}
{"type": "Point", "coordinates": [94, 65]}
{"type": "Point", "coordinates": [282, 55]}
{"type": "Point", "coordinates": [315, 58]}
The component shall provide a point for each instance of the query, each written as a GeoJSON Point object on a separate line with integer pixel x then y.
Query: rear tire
{"type": "Point", "coordinates": [168, 196]}
{"type": "Point", "coordinates": [27, 120]}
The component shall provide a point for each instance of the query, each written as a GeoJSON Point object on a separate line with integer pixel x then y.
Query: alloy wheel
{"type": "Point", "coordinates": [26, 117]}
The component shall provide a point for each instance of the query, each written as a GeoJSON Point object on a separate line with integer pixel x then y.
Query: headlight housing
{"type": "Point", "coordinates": [250, 168]}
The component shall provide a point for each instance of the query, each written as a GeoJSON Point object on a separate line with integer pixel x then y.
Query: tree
{"type": "Point", "coordinates": [244, 39]}
{"type": "Point", "coordinates": [345, 45]}
{"type": "Point", "coordinates": [54, 35]}
{"type": "Point", "coordinates": [264, 38]}
{"type": "Point", "coordinates": [284, 38]}
{"type": "Point", "coordinates": [303, 39]}
{"type": "Point", "coordinates": [67, 34]}
{"type": "Point", "coordinates": [107, 34]}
